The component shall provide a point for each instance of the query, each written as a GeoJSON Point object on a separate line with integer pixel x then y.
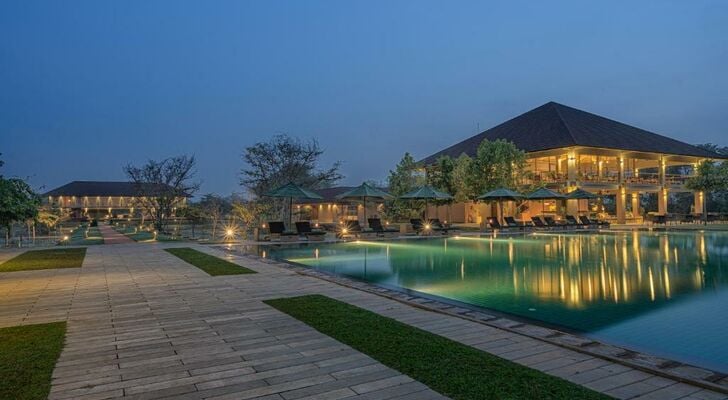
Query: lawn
{"type": "Point", "coordinates": [210, 264]}
{"type": "Point", "coordinates": [28, 354]}
{"type": "Point", "coordinates": [45, 259]}
{"type": "Point", "coordinates": [448, 367]}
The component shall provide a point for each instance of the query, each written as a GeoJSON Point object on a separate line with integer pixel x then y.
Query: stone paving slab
{"type": "Point", "coordinates": [143, 324]}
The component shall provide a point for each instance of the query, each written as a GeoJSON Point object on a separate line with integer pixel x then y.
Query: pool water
{"type": "Point", "coordinates": [661, 293]}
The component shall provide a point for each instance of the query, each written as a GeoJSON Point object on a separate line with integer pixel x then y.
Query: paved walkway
{"type": "Point", "coordinates": [143, 324]}
{"type": "Point", "coordinates": [113, 237]}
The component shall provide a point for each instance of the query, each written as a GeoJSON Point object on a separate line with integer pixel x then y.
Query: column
{"type": "Point", "coordinates": [621, 205]}
{"type": "Point", "coordinates": [636, 204]}
{"type": "Point", "coordinates": [662, 201]}
{"type": "Point", "coordinates": [699, 204]}
{"type": "Point", "coordinates": [571, 168]}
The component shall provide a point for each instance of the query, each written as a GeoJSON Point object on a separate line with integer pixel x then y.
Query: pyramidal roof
{"type": "Point", "coordinates": [555, 125]}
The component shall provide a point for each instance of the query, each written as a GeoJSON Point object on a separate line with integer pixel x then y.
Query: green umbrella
{"type": "Point", "coordinates": [291, 191]}
{"type": "Point", "coordinates": [581, 194]}
{"type": "Point", "coordinates": [363, 192]}
{"type": "Point", "coordinates": [500, 195]}
{"type": "Point", "coordinates": [425, 193]}
{"type": "Point", "coordinates": [544, 194]}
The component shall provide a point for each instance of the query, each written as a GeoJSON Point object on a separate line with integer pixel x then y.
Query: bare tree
{"type": "Point", "coordinates": [214, 208]}
{"type": "Point", "coordinates": [285, 159]}
{"type": "Point", "coordinates": [162, 186]}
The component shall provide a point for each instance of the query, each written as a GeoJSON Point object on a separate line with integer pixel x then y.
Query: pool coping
{"type": "Point", "coordinates": [679, 371]}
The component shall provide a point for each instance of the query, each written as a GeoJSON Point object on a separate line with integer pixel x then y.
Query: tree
{"type": "Point", "coordinates": [462, 185]}
{"type": "Point", "coordinates": [18, 202]}
{"type": "Point", "coordinates": [440, 175]}
{"type": "Point", "coordinates": [50, 216]}
{"type": "Point", "coordinates": [710, 177]}
{"type": "Point", "coordinates": [214, 208]}
{"type": "Point", "coordinates": [250, 213]}
{"type": "Point", "coordinates": [163, 186]}
{"type": "Point", "coordinates": [497, 164]}
{"type": "Point", "coordinates": [405, 177]}
{"type": "Point", "coordinates": [193, 214]}
{"type": "Point", "coordinates": [285, 159]}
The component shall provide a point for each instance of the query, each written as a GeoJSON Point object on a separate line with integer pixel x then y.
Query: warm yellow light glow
{"type": "Point", "coordinates": [229, 232]}
{"type": "Point", "coordinates": [65, 238]}
{"type": "Point", "coordinates": [427, 227]}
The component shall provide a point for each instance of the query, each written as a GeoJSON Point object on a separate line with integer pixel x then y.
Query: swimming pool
{"type": "Point", "coordinates": [660, 293]}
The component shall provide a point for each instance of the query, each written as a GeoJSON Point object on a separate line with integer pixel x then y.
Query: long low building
{"type": "Point", "coordinates": [101, 199]}
{"type": "Point", "coordinates": [569, 148]}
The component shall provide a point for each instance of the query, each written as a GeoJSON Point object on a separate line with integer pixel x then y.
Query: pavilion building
{"type": "Point", "coordinates": [100, 199]}
{"type": "Point", "coordinates": [568, 148]}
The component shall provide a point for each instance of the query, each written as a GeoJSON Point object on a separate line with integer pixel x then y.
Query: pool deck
{"type": "Point", "coordinates": [144, 324]}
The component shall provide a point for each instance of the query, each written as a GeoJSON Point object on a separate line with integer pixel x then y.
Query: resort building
{"type": "Point", "coordinates": [569, 148]}
{"type": "Point", "coordinates": [332, 210]}
{"type": "Point", "coordinates": [100, 199]}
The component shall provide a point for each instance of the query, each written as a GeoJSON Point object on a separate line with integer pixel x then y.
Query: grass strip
{"type": "Point", "coordinates": [448, 367]}
{"type": "Point", "coordinates": [45, 259]}
{"type": "Point", "coordinates": [28, 354]}
{"type": "Point", "coordinates": [212, 265]}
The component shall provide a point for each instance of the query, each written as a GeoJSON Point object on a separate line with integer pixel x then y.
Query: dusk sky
{"type": "Point", "coordinates": [86, 87]}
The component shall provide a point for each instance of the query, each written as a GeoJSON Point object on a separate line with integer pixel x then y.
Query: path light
{"type": "Point", "coordinates": [427, 227]}
{"type": "Point", "coordinates": [230, 232]}
{"type": "Point", "coordinates": [65, 238]}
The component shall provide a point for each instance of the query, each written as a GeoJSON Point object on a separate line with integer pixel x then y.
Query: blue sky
{"type": "Point", "coordinates": [86, 87]}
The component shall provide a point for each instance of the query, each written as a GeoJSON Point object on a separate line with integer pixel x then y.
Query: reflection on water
{"type": "Point", "coordinates": [581, 281]}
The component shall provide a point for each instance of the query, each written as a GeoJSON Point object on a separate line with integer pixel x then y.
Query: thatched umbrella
{"type": "Point", "coordinates": [293, 191]}
{"type": "Point", "coordinates": [580, 194]}
{"type": "Point", "coordinates": [500, 195]}
{"type": "Point", "coordinates": [544, 194]}
{"type": "Point", "coordinates": [363, 192]}
{"type": "Point", "coordinates": [426, 193]}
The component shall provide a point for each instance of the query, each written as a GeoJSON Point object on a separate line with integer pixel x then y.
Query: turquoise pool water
{"type": "Point", "coordinates": [661, 293]}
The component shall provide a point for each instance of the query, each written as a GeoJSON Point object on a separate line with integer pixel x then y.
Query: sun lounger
{"type": "Point", "coordinates": [553, 224]}
{"type": "Point", "coordinates": [573, 222]}
{"type": "Point", "coordinates": [376, 225]}
{"type": "Point", "coordinates": [512, 223]}
{"type": "Point", "coordinates": [304, 229]}
{"type": "Point", "coordinates": [278, 230]}
{"type": "Point", "coordinates": [538, 223]}
{"type": "Point", "coordinates": [494, 224]}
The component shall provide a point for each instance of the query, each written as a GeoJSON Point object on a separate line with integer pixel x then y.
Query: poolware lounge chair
{"type": "Point", "coordinates": [494, 224]}
{"type": "Point", "coordinates": [572, 222]}
{"type": "Point", "coordinates": [512, 223]}
{"type": "Point", "coordinates": [553, 224]}
{"type": "Point", "coordinates": [278, 229]}
{"type": "Point", "coordinates": [304, 229]}
{"type": "Point", "coordinates": [538, 223]}
{"type": "Point", "coordinates": [376, 225]}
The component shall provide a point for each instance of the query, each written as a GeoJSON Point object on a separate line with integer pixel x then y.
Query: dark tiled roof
{"type": "Point", "coordinates": [329, 195]}
{"type": "Point", "coordinates": [100, 188]}
{"type": "Point", "coordinates": [555, 125]}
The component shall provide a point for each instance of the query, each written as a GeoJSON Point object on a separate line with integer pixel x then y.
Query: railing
{"type": "Point", "coordinates": [594, 177]}
{"type": "Point", "coordinates": [643, 178]}
{"type": "Point", "coordinates": [676, 179]}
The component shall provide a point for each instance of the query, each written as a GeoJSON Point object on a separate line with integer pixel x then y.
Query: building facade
{"type": "Point", "coordinates": [568, 148]}
{"type": "Point", "coordinates": [100, 199]}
